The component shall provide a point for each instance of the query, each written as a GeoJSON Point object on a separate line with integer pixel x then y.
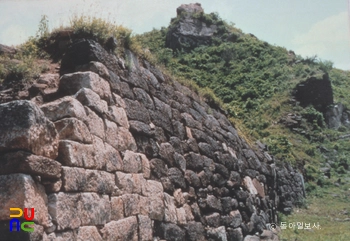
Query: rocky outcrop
{"type": "Point", "coordinates": [131, 154]}
{"type": "Point", "coordinates": [189, 30]}
{"type": "Point", "coordinates": [336, 116]}
{"type": "Point", "coordinates": [316, 91]}
{"type": "Point", "coordinates": [7, 50]}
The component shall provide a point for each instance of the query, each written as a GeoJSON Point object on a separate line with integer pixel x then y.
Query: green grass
{"type": "Point", "coordinates": [325, 209]}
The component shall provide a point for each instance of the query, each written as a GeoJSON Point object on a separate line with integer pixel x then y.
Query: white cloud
{"type": "Point", "coordinates": [329, 39]}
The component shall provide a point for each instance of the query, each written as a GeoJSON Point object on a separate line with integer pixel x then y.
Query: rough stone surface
{"type": "Point", "coordinates": [150, 161]}
{"type": "Point", "coordinates": [24, 127]}
{"type": "Point", "coordinates": [124, 229]}
{"type": "Point", "coordinates": [189, 32]}
{"type": "Point", "coordinates": [74, 154]}
{"type": "Point", "coordinates": [74, 130]}
{"type": "Point", "coordinates": [25, 162]}
{"type": "Point", "coordinates": [88, 233]}
{"type": "Point", "coordinates": [92, 100]}
{"type": "Point", "coordinates": [20, 190]}
{"type": "Point", "coordinates": [63, 108]}
{"type": "Point", "coordinates": [70, 84]}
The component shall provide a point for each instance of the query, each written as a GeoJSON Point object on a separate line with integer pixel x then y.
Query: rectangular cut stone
{"type": "Point", "coordinates": [74, 154]}
{"type": "Point", "coordinates": [88, 233]}
{"type": "Point", "coordinates": [131, 204]}
{"type": "Point", "coordinates": [78, 179]}
{"type": "Point", "coordinates": [94, 123]}
{"type": "Point", "coordinates": [118, 115]}
{"type": "Point", "coordinates": [153, 188]}
{"type": "Point", "coordinates": [154, 191]}
{"type": "Point", "coordinates": [124, 181]}
{"type": "Point", "coordinates": [124, 229]}
{"type": "Point", "coordinates": [144, 205]}
{"type": "Point", "coordinates": [63, 108]}
{"type": "Point", "coordinates": [100, 152]}
{"type": "Point", "coordinates": [64, 210]}
{"type": "Point", "coordinates": [181, 216]}
{"type": "Point", "coordinates": [112, 133]}
{"type": "Point", "coordinates": [94, 209]}
{"type": "Point", "coordinates": [146, 169]}
{"type": "Point", "coordinates": [25, 162]}
{"type": "Point", "coordinates": [74, 130]}
{"type": "Point", "coordinates": [125, 140]}
{"type": "Point", "coordinates": [23, 126]}
{"type": "Point", "coordinates": [20, 190]}
{"type": "Point", "coordinates": [170, 209]}
{"type": "Point", "coordinates": [100, 182]}
{"type": "Point", "coordinates": [248, 183]}
{"type": "Point", "coordinates": [71, 210]}
{"type": "Point", "coordinates": [112, 158]}
{"type": "Point", "coordinates": [132, 162]}
{"type": "Point", "coordinates": [130, 183]}
{"type": "Point", "coordinates": [72, 83]}
{"type": "Point", "coordinates": [90, 99]}
{"type": "Point", "coordinates": [145, 228]}
{"type": "Point", "coordinates": [63, 236]}
{"type": "Point", "coordinates": [117, 208]}
{"type": "Point", "coordinates": [156, 208]}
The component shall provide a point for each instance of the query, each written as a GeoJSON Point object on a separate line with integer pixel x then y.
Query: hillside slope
{"type": "Point", "coordinates": [297, 106]}
{"type": "Point", "coordinates": [112, 148]}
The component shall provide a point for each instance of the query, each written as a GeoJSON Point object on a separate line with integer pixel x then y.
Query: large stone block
{"type": "Point", "coordinates": [78, 179]}
{"type": "Point", "coordinates": [118, 115]}
{"type": "Point", "coordinates": [112, 137]}
{"type": "Point", "coordinates": [87, 233]}
{"type": "Point", "coordinates": [74, 130]}
{"type": "Point", "coordinates": [131, 204]}
{"type": "Point", "coordinates": [170, 209]}
{"type": "Point", "coordinates": [117, 208]}
{"type": "Point", "coordinates": [130, 183]}
{"type": "Point", "coordinates": [132, 162]}
{"type": "Point", "coordinates": [95, 209]}
{"type": "Point", "coordinates": [136, 111]}
{"type": "Point", "coordinates": [63, 108]}
{"type": "Point", "coordinates": [145, 228]}
{"type": "Point", "coordinates": [94, 123]}
{"type": "Point", "coordinates": [74, 154]}
{"type": "Point", "coordinates": [64, 211]}
{"type": "Point", "coordinates": [71, 210]}
{"type": "Point", "coordinates": [25, 162]}
{"type": "Point", "coordinates": [112, 159]}
{"type": "Point", "coordinates": [20, 190]}
{"type": "Point", "coordinates": [124, 229]}
{"type": "Point", "coordinates": [125, 140]}
{"type": "Point", "coordinates": [248, 183]}
{"type": "Point", "coordinates": [170, 231]}
{"type": "Point", "coordinates": [72, 83]}
{"type": "Point", "coordinates": [154, 191]}
{"type": "Point", "coordinates": [95, 67]}
{"type": "Point", "coordinates": [23, 126]}
{"type": "Point", "coordinates": [181, 216]}
{"type": "Point", "coordinates": [92, 100]}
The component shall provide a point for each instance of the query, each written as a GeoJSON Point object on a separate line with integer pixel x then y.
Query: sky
{"type": "Point", "coordinates": [308, 27]}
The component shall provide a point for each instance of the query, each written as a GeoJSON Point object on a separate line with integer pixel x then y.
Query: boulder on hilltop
{"type": "Point", "coordinates": [190, 29]}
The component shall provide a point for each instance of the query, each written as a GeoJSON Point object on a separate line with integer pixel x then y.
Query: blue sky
{"type": "Point", "coordinates": [308, 27]}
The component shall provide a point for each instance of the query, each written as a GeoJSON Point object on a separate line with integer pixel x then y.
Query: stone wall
{"type": "Point", "coordinates": [122, 152]}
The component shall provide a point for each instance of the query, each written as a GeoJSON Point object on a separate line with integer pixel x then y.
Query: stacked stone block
{"type": "Point", "coordinates": [130, 154]}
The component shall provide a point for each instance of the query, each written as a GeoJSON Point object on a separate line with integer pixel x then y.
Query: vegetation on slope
{"type": "Point", "coordinates": [254, 81]}
{"type": "Point", "coordinates": [249, 78]}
